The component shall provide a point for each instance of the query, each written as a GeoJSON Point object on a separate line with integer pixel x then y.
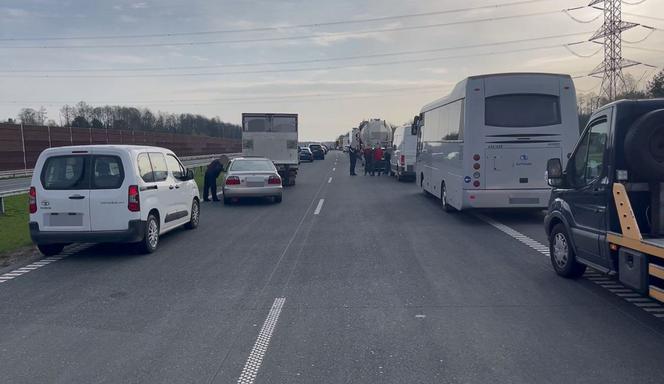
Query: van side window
{"type": "Point", "coordinates": [66, 172]}
{"type": "Point", "coordinates": [107, 172]}
{"type": "Point", "coordinates": [588, 161]}
{"type": "Point", "coordinates": [145, 168]}
{"type": "Point", "coordinates": [159, 168]}
{"type": "Point", "coordinates": [174, 166]}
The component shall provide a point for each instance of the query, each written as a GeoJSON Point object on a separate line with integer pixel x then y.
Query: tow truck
{"type": "Point", "coordinates": [607, 206]}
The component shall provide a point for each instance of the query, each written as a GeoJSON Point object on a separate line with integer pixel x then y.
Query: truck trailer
{"type": "Point", "coordinates": [273, 136]}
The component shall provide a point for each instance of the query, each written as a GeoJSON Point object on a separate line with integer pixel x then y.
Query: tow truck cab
{"type": "Point", "coordinates": [622, 144]}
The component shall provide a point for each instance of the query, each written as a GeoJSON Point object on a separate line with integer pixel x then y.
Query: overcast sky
{"type": "Point", "coordinates": [330, 93]}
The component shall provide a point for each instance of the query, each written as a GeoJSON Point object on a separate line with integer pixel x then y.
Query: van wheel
{"type": "Point", "coordinates": [443, 199]}
{"type": "Point", "coordinates": [563, 258]}
{"type": "Point", "coordinates": [50, 249]}
{"type": "Point", "coordinates": [195, 215]}
{"type": "Point", "coordinates": [151, 238]}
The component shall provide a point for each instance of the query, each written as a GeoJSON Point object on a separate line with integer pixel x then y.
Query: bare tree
{"type": "Point", "coordinates": [27, 116]}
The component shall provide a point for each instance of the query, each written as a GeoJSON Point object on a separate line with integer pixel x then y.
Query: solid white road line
{"type": "Point", "coordinates": [329, 180]}
{"type": "Point", "coordinates": [319, 206]}
{"type": "Point", "coordinates": [611, 285]}
{"type": "Point", "coordinates": [253, 364]}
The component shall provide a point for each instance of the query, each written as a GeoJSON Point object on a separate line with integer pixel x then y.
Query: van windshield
{"type": "Point", "coordinates": [66, 172]}
{"type": "Point", "coordinates": [522, 110]}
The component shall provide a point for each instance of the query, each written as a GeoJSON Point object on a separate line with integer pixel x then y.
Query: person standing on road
{"type": "Point", "coordinates": [352, 153]}
{"type": "Point", "coordinates": [212, 172]}
{"type": "Point", "coordinates": [368, 161]}
{"type": "Point", "coordinates": [378, 160]}
{"type": "Point", "coordinates": [388, 166]}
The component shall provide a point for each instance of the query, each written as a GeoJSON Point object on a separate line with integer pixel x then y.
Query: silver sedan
{"type": "Point", "coordinates": [251, 177]}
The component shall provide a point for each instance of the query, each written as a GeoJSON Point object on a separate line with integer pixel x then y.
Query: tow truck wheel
{"type": "Point", "coordinates": [563, 258]}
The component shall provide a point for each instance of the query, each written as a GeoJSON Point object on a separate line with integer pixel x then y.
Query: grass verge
{"type": "Point", "coordinates": [14, 232]}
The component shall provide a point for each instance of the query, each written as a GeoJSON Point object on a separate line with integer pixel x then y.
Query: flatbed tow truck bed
{"type": "Point", "coordinates": [633, 239]}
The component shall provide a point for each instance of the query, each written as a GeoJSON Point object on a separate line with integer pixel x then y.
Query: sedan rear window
{"type": "Point", "coordinates": [66, 172]}
{"type": "Point", "coordinates": [522, 110]}
{"type": "Point", "coordinates": [252, 165]}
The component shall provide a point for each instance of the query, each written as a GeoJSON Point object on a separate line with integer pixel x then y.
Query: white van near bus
{"type": "Point", "coordinates": [487, 143]}
{"type": "Point", "coordinates": [404, 147]}
{"type": "Point", "coordinates": [109, 193]}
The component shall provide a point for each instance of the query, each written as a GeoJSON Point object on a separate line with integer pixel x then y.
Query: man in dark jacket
{"type": "Point", "coordinates": [388, 166]}
{"type": "Point", "coordinates": [352, 153]}
{"type": "Point", "coordinates": [368, 161]}
{"type": "Point", "coordinates": [213, 171]}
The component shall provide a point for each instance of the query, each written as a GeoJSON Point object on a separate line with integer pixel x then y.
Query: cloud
{"type": "Point", "coordinates": [436, 70]}
{"type": "Point", "coordinates": [14, 12]}
{"type": "Point", "coordinates": [128, 19]}
{"type": "Point", "coordinates": [140, 5]}
{"type": "Point", "coordinates": [114, 58]}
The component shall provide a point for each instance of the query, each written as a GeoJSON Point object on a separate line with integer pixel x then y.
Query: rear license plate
{"type": "Point", "coordinates": [255, 181]}
{"type": "Point", "coordinates": [65, 219]}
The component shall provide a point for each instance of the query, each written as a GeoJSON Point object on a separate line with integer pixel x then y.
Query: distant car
{"type": "Point", "coordinates": [305, 154]}
{"type": "Point", "coordinates": [252, 177]}
{"type": "Point", "coordinates": [109, 193]}
{"type": "Point", "coordinates": [325, 148]}
{"type": "Point", "coordinates": [318, 151]}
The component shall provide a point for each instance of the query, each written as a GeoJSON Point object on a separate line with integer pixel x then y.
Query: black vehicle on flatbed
{"type": "Point", "coordinates": [607, 207]}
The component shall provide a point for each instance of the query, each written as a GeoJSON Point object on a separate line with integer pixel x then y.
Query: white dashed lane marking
{"type": "Point", "coordinates": [604, 281]}
{"type": "Point", "coordinates": [329, 180]}
{"type": "Point", "coordinates": [38, 264]}
{"type": "Point", "coordinates": [319, 206]}
{"type": "Point", "coordinates": [255, 359]}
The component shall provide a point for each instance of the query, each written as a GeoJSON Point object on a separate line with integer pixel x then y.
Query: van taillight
{"type": "Point", "coordinates": [133, 201]}
{"type": "Point", "coordinates": [402, 160]}
{"type": "Point", "coordinates": [32, 199]}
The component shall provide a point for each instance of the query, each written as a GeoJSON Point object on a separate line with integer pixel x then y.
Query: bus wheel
{"type": "Point", "coordinates": [443, 199]}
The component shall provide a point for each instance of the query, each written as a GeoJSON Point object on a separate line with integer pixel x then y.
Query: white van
{"type": "Point", "coordinates": [404, 147]}
{"type": "Point", "coordinates": [109, 193]}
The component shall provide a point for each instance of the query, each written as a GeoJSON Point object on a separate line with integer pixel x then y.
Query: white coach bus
{"type": "Point", "coordinates": [487, 143]}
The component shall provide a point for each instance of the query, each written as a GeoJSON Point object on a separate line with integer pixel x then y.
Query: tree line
{"type": "Point", "coordinates": [83, 115]}
{"type": "Point", "coordinates": [589, 102]}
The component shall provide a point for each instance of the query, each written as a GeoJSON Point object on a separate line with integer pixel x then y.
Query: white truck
{"type": "Point", "coordinates": [376, 132]}
{"type": "Point", "coordinates": [273, 136]}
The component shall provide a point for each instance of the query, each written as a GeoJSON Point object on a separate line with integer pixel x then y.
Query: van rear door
{"type": "Point", "coordinates": [63, 193]}
{"type": "Point", "coordinates": [109, 191]}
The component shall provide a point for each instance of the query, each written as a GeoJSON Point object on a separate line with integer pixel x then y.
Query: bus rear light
{"type": "Point", "coordinates": [476, 183]}
{"type": "Point", "coordinates": [476, 166]}
{"type": "Point", "coordinates": [402, 160]}
{"type": "Point", "coordinates": [232, 180]}
{"type": "Point", "coordinates": [133, 199]}
{"type": "Point", "coordinates": [471, 197]}
{"type": "Point", "coordinates": [32, 199]}
{"type": "Point", "coordinates": [476, 157]}
{"type": "Point", "coordinates": [476, 175]}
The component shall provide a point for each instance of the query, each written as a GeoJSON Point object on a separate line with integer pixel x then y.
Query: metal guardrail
{"type": "Point", "coordinates": [192, 162]}
{"type": "Point", "coordinates": [12, 174]}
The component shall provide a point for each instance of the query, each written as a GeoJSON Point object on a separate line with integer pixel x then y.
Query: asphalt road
{"type": "Point", "coordinates": [375, 284]}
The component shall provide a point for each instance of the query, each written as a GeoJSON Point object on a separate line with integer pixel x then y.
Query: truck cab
{"type": "Point", "coordinates": [621, 150]}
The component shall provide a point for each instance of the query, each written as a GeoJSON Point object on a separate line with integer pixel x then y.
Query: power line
{"type": "Point", "coordinates": [310, 69]}
{"type": "Point", "coordinates": [284, 38]}
{"type": "Point", "coordinates": [285, 62]}
{"type": "Point", "coordinates": [275, 28]}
